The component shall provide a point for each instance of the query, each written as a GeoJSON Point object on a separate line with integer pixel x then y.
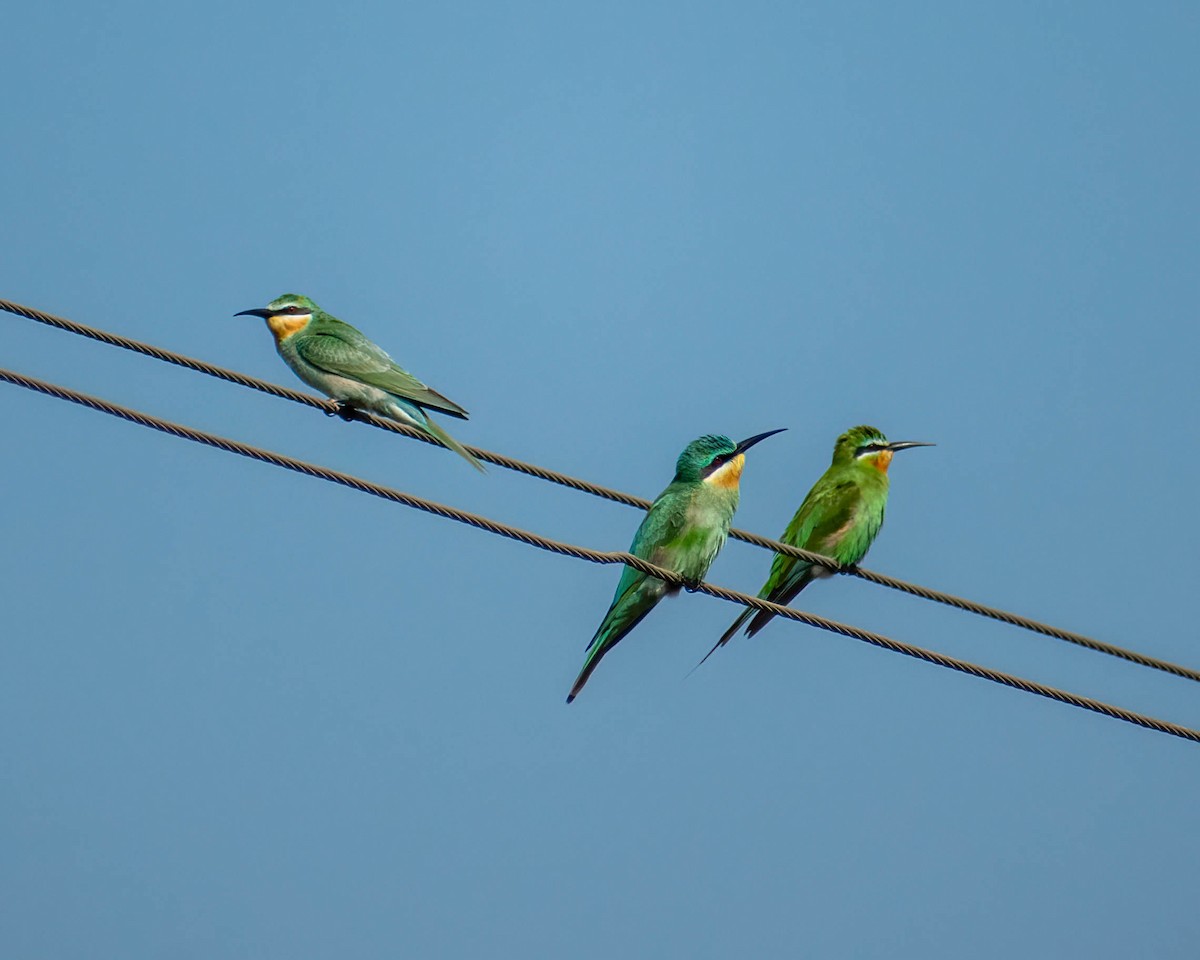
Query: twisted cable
{"type": "Point", "coordinates": [607, 493]}
{"type": "Point", "coordinates": [595, 556]}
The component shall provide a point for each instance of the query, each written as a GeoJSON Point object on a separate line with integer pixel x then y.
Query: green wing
{"type": "Point", "coordinates": [634, 596]}
{"type": "Point", "coordinates": [339, 349]}
{"type": "Point", "coordinates": [662, 525]}
{"type": "Point", "coordinates": [835, 520]}
{"type": "Point", "coordinates": [824, 517]}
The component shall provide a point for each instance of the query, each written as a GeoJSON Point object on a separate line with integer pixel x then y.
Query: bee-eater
{"type": "Point", "coordinates": [840, 518]}
{"type": "Point", "coordinates": [683, 531]}
{"type": "Point", "coordinates": [338, 360]}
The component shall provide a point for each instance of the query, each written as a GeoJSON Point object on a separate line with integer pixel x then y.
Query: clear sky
{"type": "Point", "coordinates": [246, 714]}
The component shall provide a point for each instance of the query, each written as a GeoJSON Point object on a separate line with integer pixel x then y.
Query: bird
{"type": "Point", "coordinates": [337, 359]}
{"type": "Point", "coordinates": [840, 518]}
{"type": "Point", "coordinates": [683, 531]}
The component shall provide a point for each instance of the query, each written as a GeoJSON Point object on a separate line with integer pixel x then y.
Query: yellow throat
{"type": "Point", "coordinates": [283, 325]}
{"type": "Point", "coordinates": [728, 474]}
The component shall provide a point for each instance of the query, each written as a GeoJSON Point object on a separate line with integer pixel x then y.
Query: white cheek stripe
{"type": "Point", "coordinates": [859, 454]}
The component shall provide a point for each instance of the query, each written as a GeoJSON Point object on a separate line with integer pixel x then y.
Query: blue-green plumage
{"type": "Point", "coordinates": [683, 531]}
{"type": "Point", "coordinates": [337, 359]}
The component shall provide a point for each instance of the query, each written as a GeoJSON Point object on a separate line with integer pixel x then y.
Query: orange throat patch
{"type": "Point", "coordinates": [882, 460]}
{"type": "Point", "coordinates": [283, 325]}
{"type": "Point", "coordinates": [728, 474]}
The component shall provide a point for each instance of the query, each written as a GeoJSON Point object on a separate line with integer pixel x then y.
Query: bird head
{"type": "Point", "coordinates": [716, 459]}
{"type": "Point", "coordinates": [284, 315]}
{"type": "Point", "coordinates": [869, 447]}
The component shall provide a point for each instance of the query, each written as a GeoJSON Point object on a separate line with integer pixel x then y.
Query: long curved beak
{"type": "Point", "coordinates": [905, 444]}
{"type": "Point", "coordinates": [751, 441]}
{"type": "Point", "coordinates": [256, 312]}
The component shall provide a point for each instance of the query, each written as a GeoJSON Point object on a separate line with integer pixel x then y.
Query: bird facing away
{"type": "Point", "coordinates": [683, 531]}
{"type": "Point", "coordinates": [338, 360]}
{"type": "Point", "coordinates": [839, 518]}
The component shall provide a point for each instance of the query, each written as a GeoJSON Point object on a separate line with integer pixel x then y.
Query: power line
{"type": "Point", "coordinates": [595, 556]}
{"type": "Point", "coordinates": [617, 496]}
{"type": "Point", "coordinates": [329, 407]}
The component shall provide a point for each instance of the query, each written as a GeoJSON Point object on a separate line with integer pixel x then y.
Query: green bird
{"type": "Point", "coordinates": [338, 360]}
{"type": "Point", "coordinates": [840, 518]}
{"type": "Point", "coordinates": [683, 531]}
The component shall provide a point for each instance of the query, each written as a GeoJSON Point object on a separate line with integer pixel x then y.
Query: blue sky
{"type": "Point", "coordinates": [247, 714]}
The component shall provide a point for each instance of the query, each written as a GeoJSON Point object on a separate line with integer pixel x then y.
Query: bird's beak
{"type": "Point", "coordinates": [905, 444]}
{"type": "Point", "coordinates": [257, 312]}
{"type": "Point", "coordinates": [751, 441]}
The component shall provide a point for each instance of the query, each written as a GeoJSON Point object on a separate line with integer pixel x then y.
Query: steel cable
{"type": "Point", "coordinates": [595, 556]}
{"type": "Point", "coordinates": [607, 493]}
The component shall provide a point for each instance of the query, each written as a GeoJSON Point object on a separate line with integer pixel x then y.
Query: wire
{"type": "Point", "coordinates": [329, 407]}
{"type": "Point", "coordinates": [595, 556]}
{"type": "Point", "coordinates": [584, 486]}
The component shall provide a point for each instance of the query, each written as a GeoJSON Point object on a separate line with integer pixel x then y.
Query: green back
{"type": "Point", "coordinates": [336, 347]}
{"type": "Point", "coordinates": [840, 517]}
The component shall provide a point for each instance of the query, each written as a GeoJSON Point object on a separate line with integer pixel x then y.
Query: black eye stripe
{"type": "Point", "coordinates": [716, 463]}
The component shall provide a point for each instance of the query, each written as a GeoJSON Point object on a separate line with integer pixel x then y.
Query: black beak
{"type": "Point", "coordinates": [751, 441]}
{"type": "Point", "coordinates": [905, 444]}
{"type": "Point", "coordinates": [257, 312]}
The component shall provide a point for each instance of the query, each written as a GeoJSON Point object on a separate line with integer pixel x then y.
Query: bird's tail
{"type": "Point", "coordinates": [760, 618]}
{"type": "Point", "coordinates": [448, 441]}
{"type": "Point", "coordinates": [728, 634]}
{"type": "Point", "coordinates": [626, 612]}
{"type": "Point", "coordinates": [589, 665]}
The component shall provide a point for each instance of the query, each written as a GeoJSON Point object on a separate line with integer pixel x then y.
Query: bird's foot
{"type": "Point", "coordinates": [346, 411]}
{"type": "Point", "coordinates": [691, 586]}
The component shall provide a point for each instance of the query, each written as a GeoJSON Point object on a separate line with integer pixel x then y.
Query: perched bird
{"type": "Point", "coordinates": [683, 531]}
{"type": "Point", "coordinates": [839, 518]}
{"type": "Point", "coordinates": [343, 364]}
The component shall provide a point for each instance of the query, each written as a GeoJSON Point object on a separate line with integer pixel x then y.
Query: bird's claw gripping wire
{"type": "Point", "coordinates": [347, 412]}
{"type": "Point", "coordinates": [960, 603]}
{"type": "Point", "coordinates": [500, 529]}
